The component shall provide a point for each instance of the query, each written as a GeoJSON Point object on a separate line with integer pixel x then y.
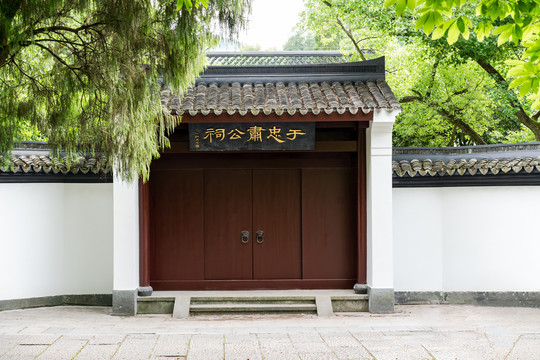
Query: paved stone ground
{"type": "Point", "coordinates": [413, 332]}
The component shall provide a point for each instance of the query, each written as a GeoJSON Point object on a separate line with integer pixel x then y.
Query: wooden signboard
{"type": "Point", "coordinates": [251, 136]}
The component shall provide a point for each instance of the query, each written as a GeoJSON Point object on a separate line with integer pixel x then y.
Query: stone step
{"type": "Point", "coordinates": [254, 300]}
{"type": "Point", "coordinates": [261, 308]}
{"type": "Point", "coordinates": [252, 304]}
{"type": "Point", "coordinates": [182, 306]}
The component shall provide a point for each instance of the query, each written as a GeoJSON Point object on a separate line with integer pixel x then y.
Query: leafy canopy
{"type": "Point", "coordinates": [516, 21]}
{"type": "Point", "coordinates": [451, 94]}
{"type": "Point", "coordinates": [88, 73]}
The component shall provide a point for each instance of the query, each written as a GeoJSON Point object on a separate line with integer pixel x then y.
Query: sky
{"type": "Point", "coordinates": [271, 23]}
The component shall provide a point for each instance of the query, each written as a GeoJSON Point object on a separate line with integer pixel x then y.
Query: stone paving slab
{"type": "Point", "coordinates": [95, 352]}
{"type": "Point", "coordinates": [413, 332]}
{"type": "Point", "coordinates": [24, 351]}
{"type": "Point", "coordinates": [136, 346]}
{"type": "Point", "coordinates": [524, 346]}
{"type": "Point", "coordinates": [392, 346]}
{"type": "Point", "coordinates": [7, 342]}
{"type": "Point", "coordinates": [172, 345]}
{"type": "Point", "coordinates": [65, 348]}
{"type": "Point", "coordinates": [242, 347]}
{"type": "Point", "coordinates": [206, 347]}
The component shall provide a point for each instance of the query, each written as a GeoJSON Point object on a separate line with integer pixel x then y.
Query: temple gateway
{"type": "Point", "coordinates": [280, 176]}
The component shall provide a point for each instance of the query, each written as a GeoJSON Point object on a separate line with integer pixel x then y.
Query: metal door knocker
{"type": "Point", "coordinates": [244, 236]}
{"type": "Point", "coordinates": [260, 237]}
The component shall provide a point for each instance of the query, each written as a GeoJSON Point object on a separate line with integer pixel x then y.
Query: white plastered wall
{"type": "Point", "coordinates": [55, 239]}
{"type": "Point", "coordinates": [466, 238]}
{"type": "Point", "coordinates": [379, 200]}
{"type": "Point", "coordinates": [126, 234]}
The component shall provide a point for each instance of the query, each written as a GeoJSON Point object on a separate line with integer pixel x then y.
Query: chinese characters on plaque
{"type": "Point", "coordinates": [251, 136]}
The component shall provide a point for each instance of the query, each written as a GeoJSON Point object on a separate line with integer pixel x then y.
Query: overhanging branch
{"type": "Point", "coordinates": [66, 28]}
{"type": "Point", "coordinates": [61, 61]}
{"type": "Point", "coordinates": [347, 31]}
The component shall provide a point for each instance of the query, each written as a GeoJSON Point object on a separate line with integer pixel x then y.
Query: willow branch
{"type": "Point", "coordinates": [66, 28]}
{"type": "Point", "coordinates": [61, 61]}
{"type": "Point", "coordinates": [33, 79]}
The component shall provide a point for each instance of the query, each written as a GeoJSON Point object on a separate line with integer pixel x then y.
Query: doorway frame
{"type": "Point", "coordinates": [359, 146]}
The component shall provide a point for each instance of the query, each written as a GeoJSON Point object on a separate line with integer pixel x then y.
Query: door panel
{"type": "Point", "coordinates": [276, 211]}
{"type": "Point", "coordinates": [328, 224]}
{"type": "Point", "coordinates": [308, 215]}
{"type": "Point", "coordinates": [176, 209]}
{"type": "Point", "coordinates": [227, 212]}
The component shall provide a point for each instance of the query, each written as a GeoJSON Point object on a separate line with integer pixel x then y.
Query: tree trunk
{"type": "Point", "coordinates": [463, 126]}
{"type": "Point", "coordinates": [520, 113]}
{"type": "Point", "coordinates": [350, 35]}
{"type": "Point", "coordinates": [8, 9]}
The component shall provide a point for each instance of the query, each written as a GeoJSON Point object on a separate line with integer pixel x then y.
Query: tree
{"type": "Point", "coordinates": [300, 41]}
{"type": "Point", "coordinates": [88, 74]}
{"type": "Point", "coordinates": [255, 47]}
{"type": "Point", "coordinates": [449, 96]}
{"type": "Point", "coordinates": [517, 21]}
{"type": "Point", "coordinates": [449, 103]}
{"type": "Point", "coordinates": [356, 25]}
{"type": "Point", "coordinates": [303, 40]}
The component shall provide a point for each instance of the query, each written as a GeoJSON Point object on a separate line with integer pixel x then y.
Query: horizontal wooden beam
{"type": "Point", "coordinates": [167, 285]}
{"type": "Point", "coordinates": [320, 146]}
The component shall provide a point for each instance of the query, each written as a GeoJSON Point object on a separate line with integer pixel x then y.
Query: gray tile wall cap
{"type": "Point", "coordinates": [475, 160]}
{"type": "Point", "coordinates": [41, 161]}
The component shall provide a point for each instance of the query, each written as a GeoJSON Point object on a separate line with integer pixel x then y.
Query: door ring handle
{"type": "Point", "coordinates": [260, 236]}
{"type": "Point", "coordinates": [244, 236]}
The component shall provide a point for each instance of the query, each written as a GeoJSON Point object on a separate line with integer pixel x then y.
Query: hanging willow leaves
{"type": "Point", "coordinates": [88, 74]}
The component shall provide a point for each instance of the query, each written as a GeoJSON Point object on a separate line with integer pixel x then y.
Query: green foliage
{"type": "Point", "coordinates": [88, 74]}
{"type": "Point", "coordinates": [451, 94]}
{"type": "Point", "coordinates": [305, 40]}
{"type": "Point", "coordinates": [356, 25]}
{"type": "Point", "coordinates": [516, 21]}
{"type": "Point", "coordinates": [446, 102]}
{"type": "Point", "coordinates": [256, 47]}
{"type": "Point", "coordinates": [28, 132]}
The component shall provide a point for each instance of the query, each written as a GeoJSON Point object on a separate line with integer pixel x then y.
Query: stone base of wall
{"type": "Point", "coordinates": [380, 300]}
{"type": "Point", "coordinates": [57, 300]}
{"type": "Point", "coordinates": [124, 302]}
{"type": "Point", "coordinates": [485, 298]}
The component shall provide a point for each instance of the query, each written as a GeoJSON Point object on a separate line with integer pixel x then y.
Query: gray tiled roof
{"type": "Point", "coordinates": [281, 97]}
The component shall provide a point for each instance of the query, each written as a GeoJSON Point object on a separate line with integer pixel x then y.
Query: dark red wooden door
{"type": "Point", "coordinates": [176, 198]}
{"type": "Point", "coordinates": [227, 212]}
{"type": "Point", "coordinates": [264, 203]}
{"type": "Point", "coordinates": [305, 205]}
{"type": "Point", "coordinates": [328, 223]}
{"type": "Point", "coordinates": [277, 252]}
